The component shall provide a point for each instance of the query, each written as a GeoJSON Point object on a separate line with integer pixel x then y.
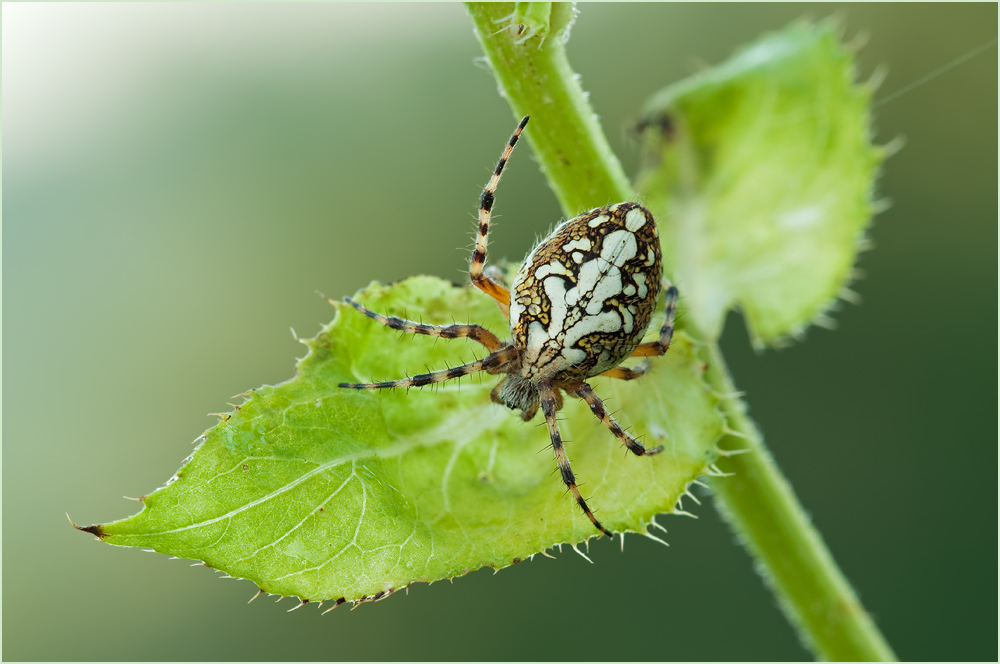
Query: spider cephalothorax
{"type": "Point", "coordinates": [581, 304]}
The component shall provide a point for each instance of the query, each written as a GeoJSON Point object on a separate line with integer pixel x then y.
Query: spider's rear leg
{"type": "Point", "coordinates": [585, 392]}
{"type": "Point", "coordinates": [478, 261]}
{"type": "Point", "coordinates": [660, 346]}
{"type": "Point", "coordinates": [488, 363]}
{"type": "Point", "coordinates": [622, 373]}
{"type": "Point", "coordinates": [548, 402]}
{"type": "Point", "coordinates": [474, 332]}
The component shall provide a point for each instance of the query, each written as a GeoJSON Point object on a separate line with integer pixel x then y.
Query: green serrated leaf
{"type": "Point", "coordinates": [761, 173]}
{"type": "Point", "coordinates": [324, 493]}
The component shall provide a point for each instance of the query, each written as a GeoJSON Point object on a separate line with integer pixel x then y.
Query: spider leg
{"type": "Point", "coordinates": [548, 401]}
{"type": "Point", "coordinates": [529, 413]}
{"type": "Point", "coordinates": [478, 261]}
{"type": "Point", "coordinates": [666, 330]}
{"type": "Point", "coordinates": [474, 332]}
{"type": "Point", "coordinates": [491, 361]}
{"type": "Point", "coordinates": [584, 391]}
{"type": "Point", "coordinates": [622, 373]}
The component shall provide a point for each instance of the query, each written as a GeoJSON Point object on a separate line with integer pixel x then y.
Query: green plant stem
{"type": "Point", "coordinates": [758, 502]}
{"type": "Point", "coordinates": [760, 505]}
{"type": "Point", "coordinates": [575, 156]}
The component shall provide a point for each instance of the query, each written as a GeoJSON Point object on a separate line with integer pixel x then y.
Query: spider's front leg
{"type": "Point", "coordinates": [478, 260]}
{"type": "Point", "coordinates": [548, 400]}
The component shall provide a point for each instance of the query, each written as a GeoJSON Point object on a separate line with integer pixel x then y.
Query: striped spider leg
{"type": "Point", "coordinates": [501, 353]}
{"type": "Point", "coordinates": [579, 305]}
{"type": "Point", "coordinates": [478, 261]}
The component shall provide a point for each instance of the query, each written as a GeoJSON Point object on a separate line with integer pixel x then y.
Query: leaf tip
{"type": "Point", "coordinates": [96, 529]}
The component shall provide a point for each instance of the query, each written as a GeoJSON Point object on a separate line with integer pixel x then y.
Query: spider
{"type": "Point", "coordinates": [581, 303]}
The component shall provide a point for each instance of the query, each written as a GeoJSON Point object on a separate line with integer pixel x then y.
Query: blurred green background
{"type": "Point", "coordinates": [179, 180]}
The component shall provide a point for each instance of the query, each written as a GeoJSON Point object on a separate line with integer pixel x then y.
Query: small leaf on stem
{"type": "Point", "coordinates": [760, 172]}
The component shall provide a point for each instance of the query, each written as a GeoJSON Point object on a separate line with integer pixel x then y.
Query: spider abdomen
{"type": "Point", "coordinates": [583, 298]}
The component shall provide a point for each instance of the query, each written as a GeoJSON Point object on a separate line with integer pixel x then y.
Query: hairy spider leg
{"type": "Point", "coordinates": [660, 346]}
{"type": "Point", "coordinates": [548, 401]}
{"type": "Point", "coordinates": [584, 391]}
{"type": "Point", "coordinates": [489, 363]}
{"type": "Point", "coordinates": [478, 260]}
{"type": "Point", "coordinates": [475, 332]}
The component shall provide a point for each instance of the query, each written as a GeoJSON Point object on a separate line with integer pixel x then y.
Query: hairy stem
{"type": "Point", "coordinates": [564, 132]}
{"type": "Point", "coordinates": [758, 502]}
{"type": "Point", "coordinates": [760, 505]}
